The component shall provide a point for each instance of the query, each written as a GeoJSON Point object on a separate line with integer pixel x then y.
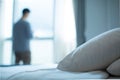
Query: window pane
{"type": "Point", "coordinates": [42, 51]}
{"type": "Point", "coordinates": [41, 17]}
{"type": "Point", "coordinates": [41, 20]}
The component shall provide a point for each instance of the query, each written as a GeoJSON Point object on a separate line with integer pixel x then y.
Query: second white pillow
{"type": "Point", "coordinates": [114, 68]}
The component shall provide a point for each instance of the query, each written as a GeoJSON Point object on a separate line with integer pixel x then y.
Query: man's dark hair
{"type": "Point", "coordinates": [26, 10]}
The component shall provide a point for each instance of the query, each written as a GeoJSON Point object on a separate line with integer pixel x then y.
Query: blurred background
{"type": "Point", "coordinates": [59, 26]}
{"type": "Point", "coordinates": [48, 39]}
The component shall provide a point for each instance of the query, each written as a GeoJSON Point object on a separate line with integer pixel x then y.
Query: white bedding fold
{"type": "Point", "coordinates": [47, 72]}
{"type": "Point", "coordinates": [6, 72]}
{"type": "Point", "coordinates": [54, 74]}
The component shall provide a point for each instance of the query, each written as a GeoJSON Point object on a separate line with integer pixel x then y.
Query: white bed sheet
{"type": "Point", "coordinates": [6, 72]}
{"type": "Point", "coordinates": [46, 72]}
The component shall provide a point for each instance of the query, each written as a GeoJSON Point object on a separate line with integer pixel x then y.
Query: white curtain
{"type": "Point", "coordinates": [6, 12]}
{"type": "Point", "coordinates": [65, 33]}
{"type": "Point", "coordinates": [1, 32]}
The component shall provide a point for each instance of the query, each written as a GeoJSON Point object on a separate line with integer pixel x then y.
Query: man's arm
{"type": "Point", "coordinates": [28, 31]}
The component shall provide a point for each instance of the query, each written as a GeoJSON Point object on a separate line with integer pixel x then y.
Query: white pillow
{"type": "Point", "coordinates": [114, 68]}
{"type": "Point", "coordinates": [98, 53]}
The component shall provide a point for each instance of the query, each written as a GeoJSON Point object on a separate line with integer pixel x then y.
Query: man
{"type": "Point", "coordinates": [21, 39]}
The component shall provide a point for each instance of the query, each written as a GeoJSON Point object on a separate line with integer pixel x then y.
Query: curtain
{"type": "Point", "coordinates": [93, 17]}
{"type": "Point", "coordinates": [79, 12]}
{"type": "Point", "coordinates": [65, 36]}
{"type": "Point", "coordinates": [69, 27]}
{"type": "Point", "coordinates": [5, 26]}
{"type": "Point", "coordinates": [1, 30]}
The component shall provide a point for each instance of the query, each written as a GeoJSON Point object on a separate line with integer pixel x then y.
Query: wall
{"type": "Point", "coordinates": [101, 15]}
{"type": "Point", "coordinates": [113, 14]}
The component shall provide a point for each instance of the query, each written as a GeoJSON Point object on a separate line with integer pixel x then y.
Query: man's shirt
{"type": "Point", "coordinates": [21, 36]}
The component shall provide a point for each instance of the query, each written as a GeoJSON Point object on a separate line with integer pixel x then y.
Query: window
{"type": "Point", "coordinates": [41, 20]}
{"type": "Point", "coordinates": [46, 37]}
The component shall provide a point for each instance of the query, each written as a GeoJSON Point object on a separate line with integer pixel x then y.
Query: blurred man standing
{"type": "Point", "coordinates": [21, 39]}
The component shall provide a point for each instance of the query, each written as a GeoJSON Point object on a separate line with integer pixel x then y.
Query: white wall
{"type": "Point", "coordinates": [101, 15]}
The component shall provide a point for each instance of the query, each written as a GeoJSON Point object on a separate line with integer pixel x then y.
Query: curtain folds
{"type": "Point", "coordinates": [69, 27]}
{"type": "Point", "coordinates": [1, 30]}
{"type": "Point", "coordinates": [79, 12]}
{"type": "Point", "coordinates": [6, 13]}
{"type": "Point", "coordinates": [65, 33]}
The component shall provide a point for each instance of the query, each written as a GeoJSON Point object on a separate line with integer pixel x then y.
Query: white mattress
{"type": "Point", "coordinates": [46, 72]}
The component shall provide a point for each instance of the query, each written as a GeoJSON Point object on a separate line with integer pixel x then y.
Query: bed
{"type": "Point", "coordinates": [99, 53]}
{"type": "Point", "coordinates": [46, 72]}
